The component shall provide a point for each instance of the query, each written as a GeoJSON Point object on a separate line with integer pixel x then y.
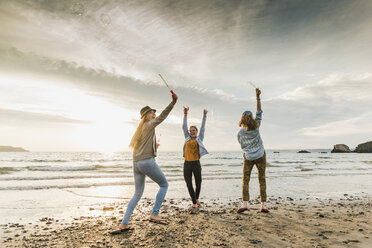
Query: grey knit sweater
{"type": "Point", "coordinates": [146, 147]}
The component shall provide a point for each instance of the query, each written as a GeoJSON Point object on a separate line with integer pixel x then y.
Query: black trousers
{"type": "Point", "coordinates": [189, 168]}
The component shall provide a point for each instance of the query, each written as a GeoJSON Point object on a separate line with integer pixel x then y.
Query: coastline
{"type": "Point", "coordinates": [292, 222]}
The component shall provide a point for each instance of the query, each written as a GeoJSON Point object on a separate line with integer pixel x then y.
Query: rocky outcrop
{"type": "Point", "coordinates": [340, 148]}
{"type": "Point", "coordinates": [11, 149]}
{"type": "Point", "coordinates": [303, 151]}
{"type": "Point", "coordinates": [364, 147]}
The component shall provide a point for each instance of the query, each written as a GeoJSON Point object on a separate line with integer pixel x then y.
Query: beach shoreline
{"type": "Point", "coordinates": [292, 222]}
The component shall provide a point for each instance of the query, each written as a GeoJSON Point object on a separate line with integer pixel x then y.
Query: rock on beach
{"type": "Point", "coordinates": [340, 148]}
{"type": "Point", "coordinates": [364, 147]}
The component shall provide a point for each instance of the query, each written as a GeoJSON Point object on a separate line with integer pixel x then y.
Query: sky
{"type": "Point", "coordinates": [75, 74]}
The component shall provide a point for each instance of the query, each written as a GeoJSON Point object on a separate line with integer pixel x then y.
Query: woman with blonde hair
{"type": "Point", "coordinates": [254, 153]}
{"type": "Point", "coordinates": [144, 148]}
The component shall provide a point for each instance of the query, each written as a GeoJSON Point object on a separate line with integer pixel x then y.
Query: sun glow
{"type": "Point", "coordinates": [106, 137]}
{"type": "Point", "coordinates": [109, 130]}
{"type": "Point", "coordinates": [97, 123]}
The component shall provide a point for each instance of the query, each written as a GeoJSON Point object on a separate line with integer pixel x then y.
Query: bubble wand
{"type": "Point", "coordinates": [171, 91]}
{"type": "Point", "coordinates": [254, 86]}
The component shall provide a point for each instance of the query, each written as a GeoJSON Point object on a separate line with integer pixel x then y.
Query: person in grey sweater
{"type": "Point", "coordinates": [144, 148]}
{"type": "Point", "coordinates": [251, 144]}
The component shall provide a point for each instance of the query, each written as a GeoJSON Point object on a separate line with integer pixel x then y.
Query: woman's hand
{"type": "Point", "coordinates": [205, 112]}
{"type": "Point", "coordinates": [185, 110]}
{"type": "Point", "coordinates": [174, 99]}
{"type": "Point", "coordinates": [258, 93]}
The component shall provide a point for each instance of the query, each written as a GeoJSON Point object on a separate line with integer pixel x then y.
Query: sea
{"type": "Point", "coordinates": [65, 185]}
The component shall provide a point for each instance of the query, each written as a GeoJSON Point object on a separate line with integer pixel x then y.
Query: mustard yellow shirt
{"type": "Point", "coordinates": [192, 150]}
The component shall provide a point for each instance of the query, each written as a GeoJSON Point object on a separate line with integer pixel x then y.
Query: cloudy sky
{"type": "Point", "coordinates": [74, 74]}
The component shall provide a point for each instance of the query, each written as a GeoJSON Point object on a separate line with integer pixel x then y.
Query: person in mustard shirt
{"type": "Point", "coordinates": [193, 150]}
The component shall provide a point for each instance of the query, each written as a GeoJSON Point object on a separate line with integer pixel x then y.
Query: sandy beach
{"type": "Point", "coordinates": [106, 101]}
{"type": "Point", "coordinates": [342, 222]}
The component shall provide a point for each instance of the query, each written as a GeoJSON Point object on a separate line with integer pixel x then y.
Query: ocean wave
{"type": "Point", "coordinates": [314, 162]}
{"type": "Point", "coordinates": [48, 160]}
{"type": "Point", "coordinates": [38, 160]}
{"type": "Point", "coordinates": [79, 168]}
{"type": "Point", "coordinates": [85, 185]}
{"type": "Point", "coordinates": [171, 166]}
{"type": "Point", "coordinates": [65, 161]}
{"type": "Point", "coordinates": [170, 174]}
{"type": "Point", "coordinates": [235, 165]}
{"type": "Point", "coordinates": [101, 160]}
{"type": "Point", "coordinates": [288, 162]}
{"type": "Point", "coordinates": [35, 160]}
{"type": "Point", "coordinates": [313, 174]}
{"type": "Point", "coordinates": [104, 168]}
{"type": "Point", "coordinates": [101, 166]}
{"type": "Point", "coordinates": [114, 160]}
{"type": "Point", "coordinates": [174, 170]}
{"type": "Point", "coordinates": [212, 165]}
{"type": "Point", "coordinates": [227, 157]}
{"type": "Point", "coordinates": [303, 168]}
{"type": "Point", "coordinates": [62, 177]}
{"type": "Point", "coordinates": [6, 170]}
{"type": "Point", "coordinates": [271, 165]}
{"type": "Point", "coordinates": [71, 168]}
{"type": "Point", "coordinates": [88, 185]}
{"type": "Point", "coordinates": [340, 169]}
{"type": "Point", "coordinates": [78, 185]}
{"type": "Point", "coordinates": [224, 176]}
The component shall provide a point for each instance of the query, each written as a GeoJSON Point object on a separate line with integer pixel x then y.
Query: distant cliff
{"type": "Point", "coordinates": [364, 148]}
{"type": "Point", "coordinates": [339, 148]}
{"type": "Point", "coordinates": [361, 148]}
{"type": "Point", "coordinates": [11, 149]}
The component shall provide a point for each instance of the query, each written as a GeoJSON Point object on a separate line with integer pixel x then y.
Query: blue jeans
{"type": "Point", "coordinates": [141, 169]}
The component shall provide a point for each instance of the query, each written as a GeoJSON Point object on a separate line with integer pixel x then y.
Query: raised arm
{"type": "Point", "coordinates": [258, 93]}
{"type": "Point", "coordinates": [259, 110]}
{"type": "Point", "coordinates": [202, 128]}
{"type": "Point", "coordinates": [153, 123]}
{"type": "Point", "coordinates": [184, 125]}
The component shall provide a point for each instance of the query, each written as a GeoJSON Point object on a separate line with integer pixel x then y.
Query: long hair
{"type": "Point", "coordinates": [248, 121]}
{"type": "Point", "coordinates": [137, 134]}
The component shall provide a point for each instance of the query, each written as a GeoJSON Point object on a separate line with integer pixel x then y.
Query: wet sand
{"type": "Point", "coordinates": [342, 222]}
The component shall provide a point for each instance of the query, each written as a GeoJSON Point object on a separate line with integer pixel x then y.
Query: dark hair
{"type": "Point", "coordinates": [248, 121]}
